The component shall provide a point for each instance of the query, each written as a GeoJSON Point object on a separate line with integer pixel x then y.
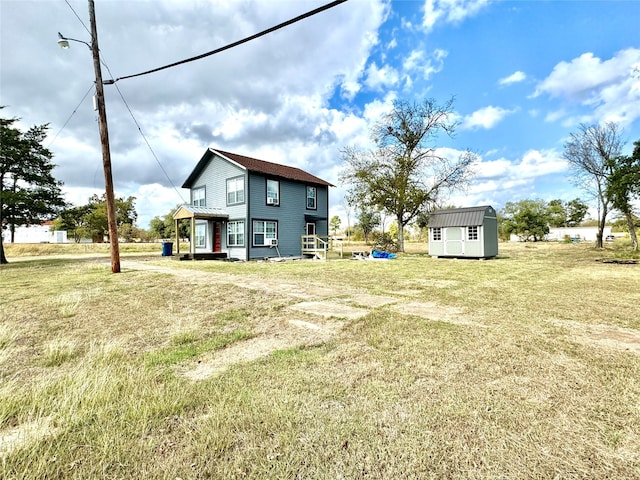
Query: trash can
{"type": "Point", "coordinates": [167, 249]}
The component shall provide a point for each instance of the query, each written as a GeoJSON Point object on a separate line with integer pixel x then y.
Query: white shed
{"type": "Point", "coordinates": [464, 232]}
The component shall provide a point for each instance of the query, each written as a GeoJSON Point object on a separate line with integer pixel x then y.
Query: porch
{"type": "Point", "coordinates": [315, 246]}
{"type": "Point", "coordinates": [202, 256]}
{"type": "Point", "coordinates": [193, 213]}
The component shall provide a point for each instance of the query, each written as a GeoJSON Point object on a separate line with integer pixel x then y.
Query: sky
{"type": "Point", "coordinates": [523, 75]}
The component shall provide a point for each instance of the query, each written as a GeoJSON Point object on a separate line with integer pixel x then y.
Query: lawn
{"type": "Point", "coordinates": [524, 366]}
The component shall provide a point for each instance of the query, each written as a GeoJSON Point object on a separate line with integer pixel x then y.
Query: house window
{"type": "Point", "coordinates": [311, 198]}
{"type": "Point", "coordinates": [235, 190]}
{"type": "Point", "coordinates": [436, 234]}
{"type": "Point", "coordinates": [235, 234]}
{"type": "Point", "coordinates": [264, 232]}
{"type": "Point", "coordinates": [273, 192]}
{"type": "Point", "coordinates": [201, 235]}
{"type": "Point", "coordinates": [472, 233]}
{"type": "Point", "coordinates": [198, 197]}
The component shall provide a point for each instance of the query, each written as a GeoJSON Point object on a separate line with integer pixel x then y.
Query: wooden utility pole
{"type": "Point", "coordinates": [104, 140]}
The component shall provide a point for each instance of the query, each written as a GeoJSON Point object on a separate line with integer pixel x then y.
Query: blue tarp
{"type": "Point", "coordinates": [381, 254]}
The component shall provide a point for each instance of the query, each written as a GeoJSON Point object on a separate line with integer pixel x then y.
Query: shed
{"type": "Point", "coordinates": [464, 232]}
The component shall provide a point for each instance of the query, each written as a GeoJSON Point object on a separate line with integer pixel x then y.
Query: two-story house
{"type": "Point", "coordinates": [246, 208]}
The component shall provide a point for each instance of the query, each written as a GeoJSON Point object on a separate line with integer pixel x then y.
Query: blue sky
{"type": "Point", "coordinates": [524, 75]}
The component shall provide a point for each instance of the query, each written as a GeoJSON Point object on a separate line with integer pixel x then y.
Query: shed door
{"type": "Point", "coordinates": [453, 241]}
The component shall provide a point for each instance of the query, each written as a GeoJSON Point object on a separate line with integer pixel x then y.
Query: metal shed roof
{"type": "Point", "coordinates": [460, 217]}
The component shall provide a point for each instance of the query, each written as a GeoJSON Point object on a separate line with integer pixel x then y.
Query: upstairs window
{"type": "Point", "coordinates": [472, 233]}
{"type": "Point", "coordinates": [198, 197]}
{"type": "Point", "coordinates": [273, 192]}
{"type": "Point", "coordinates": [235, 190]}
{"type": "Point", "coordinates": [436, 234]}
{"type": "Point", "coordinates": [311, 198]}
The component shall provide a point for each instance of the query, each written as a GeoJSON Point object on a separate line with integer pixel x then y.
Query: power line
{"type": "Point", "coordinates": [144, 136]}
{"type": "Point", "coordinates": [240, 42]}
{"type": "Point", "coordinates": [75, 110]}
{"type": "Point", "coordinates": [148, 144]}
{"type": "Point", "coordinates": [78, 17]}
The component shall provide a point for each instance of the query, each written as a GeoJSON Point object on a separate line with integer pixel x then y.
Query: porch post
{"type": "Point", "coordinates": [177, 236]}
{"type": "Point", "coordinates": [193, 236]}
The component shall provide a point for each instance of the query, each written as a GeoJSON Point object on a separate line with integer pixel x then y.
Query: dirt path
{"type": "Point", "coordinates": [319, 314]}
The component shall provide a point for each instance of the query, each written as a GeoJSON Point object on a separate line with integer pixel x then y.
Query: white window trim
{"type": "Point", "coordinates": [315, 197]}
{"type": "Point", "coordinates": [271, 200]}
{"type": "Point", "coordinates": [235, 182]}
{"type": "Point", "coordinates": [266, 236]}
{"type": "Point", "coordinates": [433, 234]}
{"type": "Point", "coordinates": [196, 199]}
{"type": "Point", "coordinates": [236, 233]}
{"type": "Point", "coordinates": [201, 240]}
{"type": "Point", "coordinates": [473, 231]}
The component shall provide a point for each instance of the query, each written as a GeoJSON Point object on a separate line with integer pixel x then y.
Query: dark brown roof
{"type": "Point", "coordinates": [258, 166]}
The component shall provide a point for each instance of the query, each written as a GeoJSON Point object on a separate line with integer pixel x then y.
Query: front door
{"type": "Point", "coordinates": [217, 246]}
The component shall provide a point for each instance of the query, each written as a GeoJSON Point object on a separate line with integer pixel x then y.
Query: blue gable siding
{"type": "Point", "coordinates": [289, 214]}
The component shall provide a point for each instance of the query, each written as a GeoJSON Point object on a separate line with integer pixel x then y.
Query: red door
{"type": "Point", "coordinates": [217, 247]}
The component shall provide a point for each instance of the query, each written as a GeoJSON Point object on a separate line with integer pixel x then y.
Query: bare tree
{"type": "Point", "coordinates": [404, 174]}
{"type": "Point", "coordinates": [591, 153]}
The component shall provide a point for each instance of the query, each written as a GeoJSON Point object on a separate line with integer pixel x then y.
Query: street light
{"type": "Point", "coordinates": [104, 135]}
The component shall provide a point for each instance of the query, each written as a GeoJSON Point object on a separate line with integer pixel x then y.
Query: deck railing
{"type": "Point", "coordinates": [315, 245]}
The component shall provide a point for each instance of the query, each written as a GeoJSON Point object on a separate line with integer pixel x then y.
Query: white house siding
{"type": "Point", "coordinates": [214, 179]}
{"type": "Point", "coordinates": [586, 234]}
{"type": "Point", "coordinates": [35, 234]}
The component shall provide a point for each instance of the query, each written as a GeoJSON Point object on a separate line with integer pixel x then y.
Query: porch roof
{"type": "Point", "coordinates": [313, 218]}
{"type": "Point", "coordinates": [191, 211]}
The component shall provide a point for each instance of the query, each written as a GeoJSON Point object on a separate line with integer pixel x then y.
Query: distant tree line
{"type": "Point", "coordinates": [530, 220]}
{"type": "Point", "coordinates": [89, 221]}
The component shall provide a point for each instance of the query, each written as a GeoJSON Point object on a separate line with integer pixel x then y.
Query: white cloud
{"type": "Point", "coordinates": [381, 78]}
{"type": "Point", "coordinates": [450, 11]}
{"type": "Point", "coordinates": [487, 117]}
{"type": "Point", "coordinates": [418, 63]}
{"type": "Point", "coordinates": [501, 180]}
{"type": "Point", "coordinates": [609, 89]}
{"type": "Point", "coordinates": [513, 78]}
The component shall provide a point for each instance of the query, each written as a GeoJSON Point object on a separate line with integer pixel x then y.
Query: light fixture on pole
{"type": "Point", "coordinates": [104, 136]}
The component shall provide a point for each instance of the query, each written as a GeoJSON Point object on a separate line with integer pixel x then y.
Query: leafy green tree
{"type": "Point", "coordinates": [576, 211]}
{"type": "Point", "coordinates": [164, 227]}
{"type": "Point", "coordinates": [29, 193]}
{"type": "Point", "coordinates": [566, 214]}
{"type": "Point", "coordinates": [96, 219]}
{"type": "Point", "coordinates": [591, 153]}
{"type": "Point", "coordinates": [528, 219]}
{"type": "Point", "coordinates": [623, 186]}
{"type": "Point", "coordinates": [404, 174]}
{"type": "Point", "coordinates": [73, 221]}
{"type": "Point", "coordinates": [368, 220]}
{"type": "Point", "coordinates": [334, 223]}
{"type": "Point", "coordinates": [557, 214]}
{"type": "Point", "coordinates": [90, 220]}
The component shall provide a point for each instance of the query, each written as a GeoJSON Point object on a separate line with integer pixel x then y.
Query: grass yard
{"type": "Point", "coordinates": [525, 366]}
